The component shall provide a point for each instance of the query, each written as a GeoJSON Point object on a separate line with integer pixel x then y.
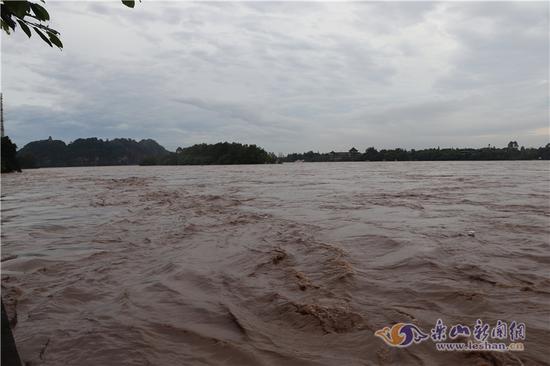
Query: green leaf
{"type": "Point", "coordinates": [25, 28]}
{"type": "Point", "coordinates": [51, 30]}
{"type": "Point", "coordinates": [7, 18]}
{"type": "Point", "coordinates": [5, 26]}
{"type": "Point", "coordinates": [44, 38]}
{"type": "Point", "coordinates": [55, 40]}
{"type": "Point", "coordinates": [40, 12]}
{"type": "Point", "coordinates": [19, 8]}
{"type": "Point", "coordinates": [129, 3]}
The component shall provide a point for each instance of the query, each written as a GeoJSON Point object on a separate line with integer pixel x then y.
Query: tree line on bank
{"type": "Point", "coordinates": [510, 152]}
{"type": "Point", "coordinates": [8, 158]}
{"type": "Point", "coordinates": [222, 153]}
{"type": "Point", "coordinates": [123, 151]}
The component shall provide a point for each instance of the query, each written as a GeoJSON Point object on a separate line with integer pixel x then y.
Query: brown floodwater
{"type": "Point", "coordinates": [293, 264]}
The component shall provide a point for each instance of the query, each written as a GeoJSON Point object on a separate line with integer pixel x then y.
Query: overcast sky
{"type": "Point", "coordinates": [286, 76]}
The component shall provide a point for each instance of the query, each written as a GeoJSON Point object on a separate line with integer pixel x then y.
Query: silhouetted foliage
{"type": "Point", "coordinates": [87, 152]}
{"type": "Point", "coordinates": [31, 15]}
{"type": "Point", "coordinates": [8, 156]}
{"type": "Point", "coordinates": [221, 153]}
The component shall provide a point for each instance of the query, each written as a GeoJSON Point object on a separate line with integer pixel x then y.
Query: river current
{"type": "Point", "coordinates": [292, 264]}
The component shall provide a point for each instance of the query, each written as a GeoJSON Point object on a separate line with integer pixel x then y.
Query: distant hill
{"type": "Point", "coordinates": [88, 152]}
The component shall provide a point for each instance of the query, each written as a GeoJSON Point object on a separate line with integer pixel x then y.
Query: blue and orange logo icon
{"type": "Point", "coordinates": [401, 335]}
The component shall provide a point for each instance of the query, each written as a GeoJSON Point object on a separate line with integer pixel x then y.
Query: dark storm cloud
{"type": "Point", "coordinates": [289, 76]}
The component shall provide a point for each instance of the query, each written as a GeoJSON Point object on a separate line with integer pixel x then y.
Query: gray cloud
{"type": "Point", "coordinates": [288, 76]}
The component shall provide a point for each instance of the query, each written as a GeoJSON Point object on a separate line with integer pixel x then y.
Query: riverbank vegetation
{"type": "Point", "coordinates": [124, 151]}
{"type": "Point", "coordinates": [222, 153]}
{"type": "Point", "coordinates": [9, 158]}
{"type": "Point", "coordinates": [510, 152]}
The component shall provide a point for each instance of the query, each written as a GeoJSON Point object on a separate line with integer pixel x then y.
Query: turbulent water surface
{"type": "Point", "coordinates": [293, 264]}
